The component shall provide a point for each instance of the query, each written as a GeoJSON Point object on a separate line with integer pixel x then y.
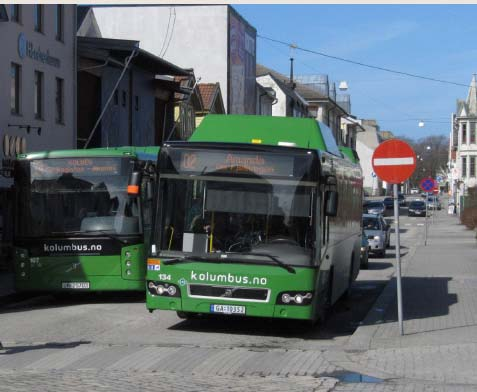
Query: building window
{"type": "Point", "coordinates": [38, 17]}
{"type": "Point", "coordinates": [124, 98]}
{"type": "Point", "coordinates": [38, 95]}
{"type": "Point", "coordinates": [15, 74]}
{"type": "Point", "coordinates": [464, 133]}
{"type": "Point", "coordinates": [136, 103]}
{"type": "Point", "coordinates": [464, 167]}
{"type": "Point", "coordinates": [116, 97]}
{"type": "Point", "coordinates": [59, 101]}
{"type": "Point", "coordinates": [472, 132]}
{"type": "Point", "coordinates": [472, 167]}
{"type": "Point", "coordinates": [59, 22]}
{"type": "Point", "coordinates": [15, 15]}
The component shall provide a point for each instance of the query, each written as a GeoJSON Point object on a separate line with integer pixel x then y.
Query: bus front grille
{"type": "Point", "coordinates": [228, 292]}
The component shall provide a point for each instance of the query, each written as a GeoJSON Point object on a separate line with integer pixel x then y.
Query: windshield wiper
{"type": "Point", "coordinates": [289, 268]}
{"type": "Point", "coordinates": [185, 259]}
{"type": "Point", "coordinates": [77, 232]}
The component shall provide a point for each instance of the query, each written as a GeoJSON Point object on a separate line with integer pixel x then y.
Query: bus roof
{"type": "Point", "coordinates": [348, 152]}
{"type": "Point", "coordinates": [142, 153]}
{"type": "Point", "coordinates": [267, 130]}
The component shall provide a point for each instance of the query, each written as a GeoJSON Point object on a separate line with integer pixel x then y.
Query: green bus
{"type": "Point", "coordinates": [247, 220]}
{"type": "Point", "coordinates": [349, 153]}
{"type": "Point", "coordinates": [78, 225]}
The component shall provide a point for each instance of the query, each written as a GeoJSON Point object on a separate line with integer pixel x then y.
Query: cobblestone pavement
{"type": "Point", "coordinates": [440, 317]}
{"type": "Point", "coordinates": [119, 381]}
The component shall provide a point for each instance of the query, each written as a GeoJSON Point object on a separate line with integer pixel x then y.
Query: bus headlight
{"type": "Point", "coordinates": [163, 289]}
{"type": "Point", "coordinates": [286, 298]}
{"type": "Point", "coordinates": [295, 298]}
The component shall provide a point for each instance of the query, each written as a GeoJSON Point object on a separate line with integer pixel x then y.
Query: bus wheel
{"type": "Point", "coordinates": [187, 315]}
{"type": "Point", "coordinates": [325, 308]}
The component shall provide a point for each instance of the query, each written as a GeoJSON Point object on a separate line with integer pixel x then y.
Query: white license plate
{"type": "Point", "coordinates": [75, 285]}
{"type": "Point", "coordinates": [227, 309]}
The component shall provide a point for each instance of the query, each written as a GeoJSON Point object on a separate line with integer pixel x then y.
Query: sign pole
{"type": "Point", "coordinates": [394, 161]}
{"type": "Point", "coordinates": [425, 222]}
{"type": "Point", "coordinates": [398, 260]}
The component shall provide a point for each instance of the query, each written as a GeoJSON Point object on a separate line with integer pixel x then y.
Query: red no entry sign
{"type": "Point", "coordinates": [394, 161]}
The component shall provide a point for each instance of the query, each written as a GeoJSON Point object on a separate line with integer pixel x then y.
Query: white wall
{"type": "Point", "coordinates": [280, 107]}
{"type": "Point", "coordinates": [198, 40]}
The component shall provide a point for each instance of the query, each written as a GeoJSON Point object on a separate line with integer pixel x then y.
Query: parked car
{"type": "Point", "coordinates": [417, 208]}
{"type": "Point", "coordinates": [433, 203]}
{"type": "Point", "coordinates": [387, 229]}
{"type": "Point", "coordinates": [364, 258]}
{"type": "Point", "coordinates": [374, 207]}
{"type": "Point", "coordinates": [401, 200]}
{"type": "Point", "coordinates": [376, 234]}
{"type": "Point", "coordinates": [389, 203]}
{"type": "Point", "coordinates": [414, 191]}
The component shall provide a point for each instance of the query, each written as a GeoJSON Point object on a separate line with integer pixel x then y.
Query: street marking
{"type": "Point", "coordinates": [393, 161]}
{"type": "Point", "coordinates": [420, 224]}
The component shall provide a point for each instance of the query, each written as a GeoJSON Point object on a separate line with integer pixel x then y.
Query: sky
{"type": "Point", "coordinates": [436, 41]}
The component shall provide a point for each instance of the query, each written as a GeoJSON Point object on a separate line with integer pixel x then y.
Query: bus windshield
{"type": "Point", "coordinates": [85, 196]}
{"type": "Point", "coordinates": [215, 199]}
{"type": "Point", "coordinates": [204, 215]}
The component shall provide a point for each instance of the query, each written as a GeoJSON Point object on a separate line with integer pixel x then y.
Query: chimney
{"type": "Point", "coordinates": [292, 83]}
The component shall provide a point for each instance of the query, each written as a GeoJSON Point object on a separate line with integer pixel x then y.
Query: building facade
{"type": "Point", "coordinates": [463, 144]}
{"type": "Point", "coordinates": [37, 91]}
{"type": "Point", "coordinates": [366, 143]}
{"type": "Point", "coordinates": [125, 94]}
{"type": "Point", "coordinates": [213, 39]}
{"type": "Point", "coordinates": [38, 85]}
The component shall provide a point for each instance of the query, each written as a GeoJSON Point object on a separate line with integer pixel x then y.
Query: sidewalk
{"type": "Point", "coordinates": [440, 313]}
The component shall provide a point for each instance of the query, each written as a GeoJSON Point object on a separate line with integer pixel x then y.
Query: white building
{"type": "Point", "coordinates": [463, 143]}
{"type": "Point", "coordinates": [288, 102]}
{"type": "Point", "coordinates": [212, 39]}
{"type": "Point", "coordinates": [366, 143]}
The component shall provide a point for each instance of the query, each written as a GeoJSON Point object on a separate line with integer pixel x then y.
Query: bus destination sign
{"type": "Point", "coordinates": [54, 167]}
{"type": "Point", "coordinates": [236, 162]}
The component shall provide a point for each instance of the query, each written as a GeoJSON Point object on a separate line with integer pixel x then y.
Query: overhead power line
{"type": "Point", "coordinates": [296, 47]}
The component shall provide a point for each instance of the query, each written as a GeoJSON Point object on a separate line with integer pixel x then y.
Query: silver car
{"type": "Point", "coordinates": [433, 203]}
{"type": "Point", "coordinates": [376, 234]}
{"type": "Point", "coordinates": [375, 207]}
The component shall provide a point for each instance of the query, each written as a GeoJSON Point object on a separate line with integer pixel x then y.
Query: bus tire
{"type": "Point", "coordinates": [347, 292]}
{"type": "Point", "coordinates": [186, 315]}
{"type": "Point", "coordinates": [325, 309]}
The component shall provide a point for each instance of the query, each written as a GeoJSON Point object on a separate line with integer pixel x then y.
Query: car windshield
{"type": "Point", "coordinates": [62, 196]}
{"type": "Point", "coordinates": [371, 223]}
{"type": "Point", "coordinates": [416, 204]}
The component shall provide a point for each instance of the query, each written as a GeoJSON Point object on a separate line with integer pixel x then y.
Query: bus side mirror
{"type": "Point", "coordinates": [149, 191]}
{"type": "Point", "coordinates": [134, 183]}
{"type": "Point", "coordinates": [331, 203]}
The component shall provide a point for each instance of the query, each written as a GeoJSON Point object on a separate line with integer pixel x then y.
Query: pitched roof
{"type": "Point", "coordinates": [208, 92]}
{"type": "Point", "coordinates": [472, 96]}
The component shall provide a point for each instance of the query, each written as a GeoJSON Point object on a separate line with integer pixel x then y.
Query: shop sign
{"type": "Point", "coordinates": [27, 49]}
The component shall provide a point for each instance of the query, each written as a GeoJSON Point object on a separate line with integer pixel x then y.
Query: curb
{"type": "Point", "coordinates": [361, 338]}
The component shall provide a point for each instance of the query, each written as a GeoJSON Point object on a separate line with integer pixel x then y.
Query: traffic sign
{"type": "Point", "coordinates": [394, 161]}
{"type": "Point", "coordinates": [427, 184]}
{"type": "Point", "coordinates": [439, 178]}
